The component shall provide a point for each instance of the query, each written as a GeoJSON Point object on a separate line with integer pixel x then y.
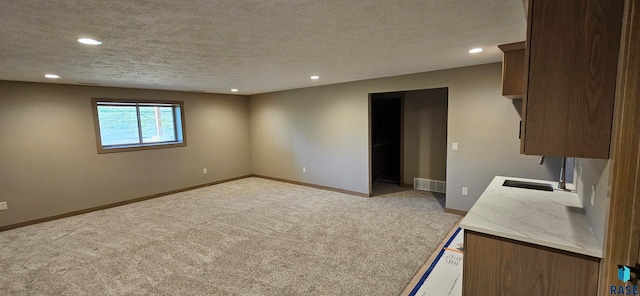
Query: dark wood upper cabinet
{"type": "Point", "coordinates": [513, 70]}
{"type": "Point", "coordinates": [571, 63]}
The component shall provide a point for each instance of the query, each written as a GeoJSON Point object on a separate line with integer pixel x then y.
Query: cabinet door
{"type": "Point", "coordinates": [495, 266]}
{"type": "Point", "coordinates": [571, 53]}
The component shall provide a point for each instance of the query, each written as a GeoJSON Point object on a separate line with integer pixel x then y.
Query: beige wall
{"type": "Point", "coordinates": [594, 172]}
{"type": "Point", "coordinates": [49, 163]}
{"type": "Point", "coordinates": [425, 135]}
{"type": "Point", "coordinates": [325, 128]}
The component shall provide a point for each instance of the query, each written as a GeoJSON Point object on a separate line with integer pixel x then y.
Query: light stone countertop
{"type": "Point", "coordinates": [551, 219]}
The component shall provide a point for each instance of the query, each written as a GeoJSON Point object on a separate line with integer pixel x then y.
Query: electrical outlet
{"type": "Point", "coordinates": [593, 194]}
{"type": "Point", "coordinates": [454, 146]}
{"type": "Point", "coordinates": [204, 171]}
{"type": "Point", "coordinates": [304, 169]}
{"type": "Point", "coordinates": [3, 206]}
{"type": "Point", "coordinates": [465, 191]}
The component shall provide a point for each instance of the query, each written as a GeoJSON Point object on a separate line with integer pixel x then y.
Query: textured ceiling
{"type": "Point", "coordinates": [256, 46]}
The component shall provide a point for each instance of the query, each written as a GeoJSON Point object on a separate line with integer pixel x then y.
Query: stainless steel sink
{"type": "Point", "coordinates": [528, 185]}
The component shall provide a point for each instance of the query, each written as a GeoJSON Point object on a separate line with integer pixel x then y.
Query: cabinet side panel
{"type": "Point", "coordinates": [527, 51]}
{"type": "Point", "coordinates": [513, 74]}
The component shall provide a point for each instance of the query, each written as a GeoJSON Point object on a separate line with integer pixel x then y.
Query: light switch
{"type": "Point", "coordinates": [454, 146]}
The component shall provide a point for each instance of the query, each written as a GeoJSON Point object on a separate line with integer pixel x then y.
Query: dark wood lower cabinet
{"type": "Point", "coordinates": [498, 266]}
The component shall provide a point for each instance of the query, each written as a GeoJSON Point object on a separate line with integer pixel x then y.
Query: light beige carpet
{"type": "Point", "coordinates": [246, 237]}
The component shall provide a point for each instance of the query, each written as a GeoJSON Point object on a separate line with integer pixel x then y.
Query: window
{"type": "Point", "coordinates": [126, 125]}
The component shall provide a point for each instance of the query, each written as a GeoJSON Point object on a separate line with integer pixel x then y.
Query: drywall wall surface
{"type": "Point", "coordinates": [594, 173]}
{"type": "Point", "coordinates": [425, 135]}
{"type": "Point", "coordinates": [326, 130]}
{"type": "Point", "coordinates": [49, 163]}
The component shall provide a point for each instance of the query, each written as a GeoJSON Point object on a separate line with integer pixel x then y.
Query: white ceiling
{"type": "Point", "coordinates": [256, 46]}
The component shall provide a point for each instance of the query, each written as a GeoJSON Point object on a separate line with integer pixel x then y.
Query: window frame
{"type": "Point", "coordinates": [142, 146]}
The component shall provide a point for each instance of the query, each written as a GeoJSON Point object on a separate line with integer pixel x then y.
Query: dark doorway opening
{"type": "Point", "coordinates": [386, 138]}
{"type": "Point", "coordinates": [408, 141]}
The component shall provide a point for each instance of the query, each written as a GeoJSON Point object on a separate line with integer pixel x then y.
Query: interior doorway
{"type": "Point", "coordinates": [386, 134]}
{"type": "Point", "coordinates": [386, 137]}
{"type": "Point", "coordinates": [408, 141]}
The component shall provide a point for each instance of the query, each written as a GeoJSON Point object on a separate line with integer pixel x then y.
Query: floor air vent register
{"type": "Point", "coordinates": [430, 185]}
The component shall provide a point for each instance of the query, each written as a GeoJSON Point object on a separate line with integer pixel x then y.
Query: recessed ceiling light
{"type": "Point", "coordinates": [89, 41]}
{"type": "Point", "coordinates": [315, 77]}
{"type": "Point", "coordinates": [234, 90]}
{"type": "Point", "coordinates": [475, 50]}
{"type": "Point", "coordinates": [51, 76]}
